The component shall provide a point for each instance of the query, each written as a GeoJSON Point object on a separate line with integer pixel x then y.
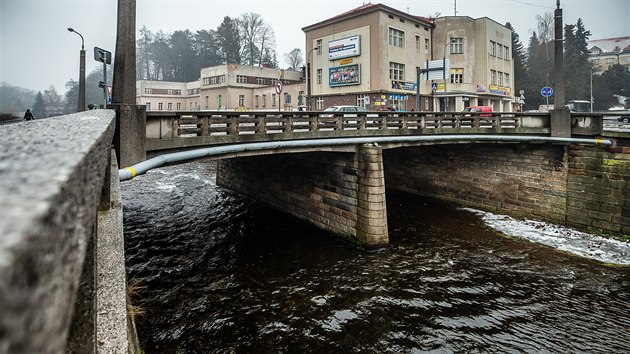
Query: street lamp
{"type": "Point", "coordinates": [450, 40]}
{"type": "Point", "coordinates": [591, 88]}
{"type": "Point", "coordinates": [309, 104]}
{"type": "Point", "coordinates": [81, 104]}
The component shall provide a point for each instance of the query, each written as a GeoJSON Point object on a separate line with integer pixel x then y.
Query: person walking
{"type": "Point", "coordinates": [28, 115]}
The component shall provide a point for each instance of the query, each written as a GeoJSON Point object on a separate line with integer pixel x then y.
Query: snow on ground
{"type": "Point", "coordinates": [579, 243]}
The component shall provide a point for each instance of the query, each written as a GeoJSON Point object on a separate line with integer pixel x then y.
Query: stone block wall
{"type": "Point", "coordinates": [518, 179]}
{"type": "Point", "coordinates": [598, 196]}
{"type": "Point", "coordinates": [339, 192]}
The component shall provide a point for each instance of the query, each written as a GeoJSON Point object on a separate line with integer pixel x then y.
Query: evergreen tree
{"type": "Point", "coordinates": [609, 87]}
{"type": "Point", "coordinates": [520, 65]}
{"type": "Point", "coordinates": [206, 47]}
{"type": "Point", "coordinates": [577, 67]}
{"type": "Point", "coordinates": [184, 60]}
{"type": "Point", "coordinates": [229, 41]}
{"type": "Point", "coordinates": [39, 107]}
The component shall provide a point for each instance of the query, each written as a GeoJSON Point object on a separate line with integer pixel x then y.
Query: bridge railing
{"type": "Point", "coordinates": [212, 127]}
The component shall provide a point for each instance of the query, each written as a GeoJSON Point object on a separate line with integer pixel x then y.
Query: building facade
{"type": "Point", "coordinates": [609, 51]}
{"type": "Point", "coordinates": [225, 87]}
{"type": "Point", "coordinates": [481, 65]}
{"type": "Point", "coordinates": [370, 57]}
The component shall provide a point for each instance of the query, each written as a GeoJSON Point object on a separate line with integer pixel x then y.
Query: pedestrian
{"type": "Point", "coordinates": [28, 115]}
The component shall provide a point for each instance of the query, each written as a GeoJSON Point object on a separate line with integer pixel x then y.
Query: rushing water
{"type": "Point", "coordinates": [222, 273]}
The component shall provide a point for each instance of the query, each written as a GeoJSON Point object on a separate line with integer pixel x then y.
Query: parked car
{"type": "Point", "coordinates": [345, 109]}
{"type": "Point", "coordinates": [624, 119]}
{"type": "Point", "coordinates": [479, 109]}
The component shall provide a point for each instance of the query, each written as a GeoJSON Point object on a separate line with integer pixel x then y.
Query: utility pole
{"type": "Point", "coordinates": [560, 115]}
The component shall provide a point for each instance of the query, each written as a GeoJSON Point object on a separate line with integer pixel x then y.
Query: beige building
{"type": "Point", "coordinates": [609, 51]}
{"type": "Point", "coordinates": [481, 64]}
{"type": "Point", "coordinates": [224, 87]}
{"type": "Point", "coordinates": [369, 57]}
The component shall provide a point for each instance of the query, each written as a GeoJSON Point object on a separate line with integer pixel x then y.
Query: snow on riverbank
{"type": "Point", "coordinates": [579, 243]}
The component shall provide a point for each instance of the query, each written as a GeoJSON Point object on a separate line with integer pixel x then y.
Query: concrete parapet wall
{"type": "Point", "coordinates": [520, 179]}
{"type": "Point", "coordinates": [326, 189]}
{"type": "Point", "coordinates": [51, 176]}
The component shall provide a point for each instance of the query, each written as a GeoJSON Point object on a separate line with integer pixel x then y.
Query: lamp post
{"type": "Point", "coordinates": [591, 88]}
{"type": "Point", "coordinates": [450, 40]}
{"type": "Point", "coordinates": [81, 104]}
{"type": "Point", "coordinates": [309, 105]}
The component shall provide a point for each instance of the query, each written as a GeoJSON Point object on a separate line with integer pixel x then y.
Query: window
{"type": "Point", "coordinates": [426, 46]}
{"type": "Point", "coordinates": [396, 37]}
{"type": "Point", "coordinates": [609, 60]}
{"type": "Point", "coordinates": [241, 100]}
{"type": "Point", "coordinates": [457, 45]}
{"type": "Point", "coordinates": [179, 106]}
{"type": "Point", "coordinates": [418, 45]}
{"type": "Point", "coordinates": [148, 106]}
{"type": "Point", "coordinates": [506, 76]}
{"type": "Point", "coordinates": [506, 52]}
{"type": "Point", "coordinates": [457, 75]}
{"type": "Point", "coordinates": [256, 101]}
{"type": "Point", "coordinates": [264, 100]}
{"type": "Point", "coordinates": [147, 91]}
{"type": "Point", "coordinates": [260, 80]}
{"type": "Point", "coordinates": [319, 76]}
{"type": "Point", "coordinates": [396, 71]}
{"type": "Point", "coordinates": [160, 106]}
{"type": "Point", "coordinates": [493, 77]}
{"type": "Point", "coordinates": [273, 99]}
{"type": "Point", "coordinates": [170, 106]}
{"type": "Point", "coordinates": [319, 103]}
{"type": "Point", "coordinates": [206, 81]}
{"type": "Point", "coordinates": [319, 47]}
{"type": "Point", "coordinates": [493, 48]}
{"type": "Point", "coordinates": [628, 59]}
{"type": "Point", "coordinates": [207, 101]}
{"type": "Point", "coordinates": [241, 79]}
{"type": "Point", "coordinates": [361, 100]}
{"type": "Point", "coordinates": [500, 78]}
{"type": "Point", "coordinates": [273, 82]}
{"type": "Point", "coordinates": [500, 51]}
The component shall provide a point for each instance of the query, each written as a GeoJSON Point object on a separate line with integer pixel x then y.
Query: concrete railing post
{"type": "Point", "coordinates": [372, 209]}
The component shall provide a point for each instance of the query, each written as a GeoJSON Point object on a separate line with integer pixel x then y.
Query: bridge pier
{"type": "Point", "coordinates": [372, 208]}
{"type": "Point", "coordinates": [341, 192]}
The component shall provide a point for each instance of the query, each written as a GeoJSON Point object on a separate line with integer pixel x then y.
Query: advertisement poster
{"type": "Point", "coordinates": [344, 75]}
{"type": "Point", "coordinates": [402, 85]}
{"type": "Point", "coordinates": [344, 48]}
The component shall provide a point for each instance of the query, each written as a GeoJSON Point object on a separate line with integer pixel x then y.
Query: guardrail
{"type": "Point", "coordinates": [208, 128]}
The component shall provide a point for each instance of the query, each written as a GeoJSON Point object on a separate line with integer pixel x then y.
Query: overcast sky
{"type": "Point", "coordinates": [38, 51]}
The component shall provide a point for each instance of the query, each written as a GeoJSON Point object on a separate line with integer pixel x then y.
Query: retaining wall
{"type": "Point", "coordinates": [581, 186]}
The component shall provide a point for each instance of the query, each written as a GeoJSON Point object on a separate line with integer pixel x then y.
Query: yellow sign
{"type": "Point", "coordinates": [440, 87]}
{"type": "Point", "coordinates": [345, 61]}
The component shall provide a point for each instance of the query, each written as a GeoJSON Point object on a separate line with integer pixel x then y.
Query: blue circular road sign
{"type": "Point", "coordinates": [546, 91]}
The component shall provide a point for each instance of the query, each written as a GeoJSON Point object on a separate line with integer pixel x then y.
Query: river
{"type": "Point", "coordinates": [220, 273]}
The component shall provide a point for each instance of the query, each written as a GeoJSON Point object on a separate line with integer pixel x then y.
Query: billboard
{"type": "Point", "coordinates": [344, 48]}
{"type": "Point", "coordinates": [344, 75]}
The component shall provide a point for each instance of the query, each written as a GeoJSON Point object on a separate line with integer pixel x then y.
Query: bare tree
{"type": "Point", "coordinates": [257, 39]}
{"type": "Point", "coordinates": [294, 58]}
{"type": "Point", "coordinates": [545, 27]}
